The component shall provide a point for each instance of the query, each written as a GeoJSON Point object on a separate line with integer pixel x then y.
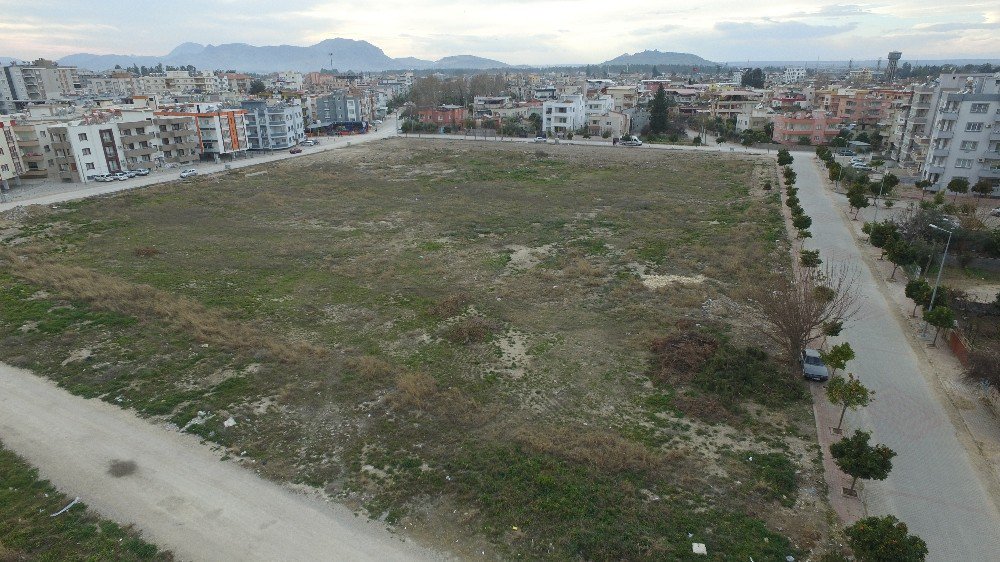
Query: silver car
{"type": "Point", "coordinates": [813, 367]}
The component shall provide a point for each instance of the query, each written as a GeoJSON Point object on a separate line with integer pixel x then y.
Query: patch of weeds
{"type": "Point", "coordinates": [770, 476]}
{"type": "Point", "coordinates": [653, 251]}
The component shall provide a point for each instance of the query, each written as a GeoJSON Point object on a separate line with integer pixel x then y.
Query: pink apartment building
{"type": "Point", "coordinates": [818, 126]}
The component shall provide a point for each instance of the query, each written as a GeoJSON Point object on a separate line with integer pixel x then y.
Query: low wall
{"type": "Point", "coordinates": [959, 346]}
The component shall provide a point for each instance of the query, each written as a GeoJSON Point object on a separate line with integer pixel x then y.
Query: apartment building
{"type": "Point", "coordinates": [178, 138]}
{"type": "Point", "coordinates": [818, 127]}
{"type": "Point", "coordinates": [964, 139]}
{"type": "Point", "coordinates": [613, 123]}
{"type": "Point", "coordinates": [84, 149]}
{"type": "Point", "coordinates": [11, 167]}
{"type": "Point", "coordinates": [338, 108]}
{"type": "Point", "coordinates": [793, 75]}
{"type": "Point", "coordinates": [39, 81]}
{"type": "Point", "coordinates": [35, 145]}
{"type": "Point", "coordinates": [443, 116]}
{"type": "Point", "coordinates": [564, 115]}
{"type": "Point", "coordinates": [220, 131]}
{"type": "Point", "coordinates": [729, 104]}
{"type": "Point", "coordinates": [273, 125]}
{"type": "Point", "coordinates": [192, 81]}
{"type": "Point", "coordinates": [289, 80]}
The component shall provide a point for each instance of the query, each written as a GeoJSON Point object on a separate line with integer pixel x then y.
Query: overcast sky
{"type": "Point", "coordinates": [514, 31]}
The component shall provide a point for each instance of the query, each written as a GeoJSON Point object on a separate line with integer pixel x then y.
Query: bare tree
{"type": "Point", "coordinates": [792, 309]}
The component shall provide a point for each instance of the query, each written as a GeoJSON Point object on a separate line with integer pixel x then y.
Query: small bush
{"type": "Point", "coordinates": [473, 329]}
{"type": "Point", "coordinates": [677, 357]}
{"type": "Point", "coordinates": [449, 306]}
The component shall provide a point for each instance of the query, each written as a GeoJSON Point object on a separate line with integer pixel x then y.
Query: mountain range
{"type": "Point", "coordinates": [343, 54]}
{"type": "Point", "coordinates": [659, 58]}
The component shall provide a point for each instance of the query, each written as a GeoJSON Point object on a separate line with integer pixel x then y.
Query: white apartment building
{"type": "Point", "coordinates": [964, 140]}
{"type": "Point", "coordinates": [793, 75]}
{"type": "Point", "coordinates": [564, 115]}
{"type": "Point", "coordinates": [83, 150]}
{"type": "Point", "coordinates": [194, 81]}
{"type": "Point", "coordinates": [153, 84]}
{"type": "Point", "coordinates": [40, 81]}
{"type": "Point", "coordinates": [273, 125]}
{"type": "Point", "coordinates": [289, 80]}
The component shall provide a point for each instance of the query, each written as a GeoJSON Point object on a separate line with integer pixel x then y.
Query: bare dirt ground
{"type": "Point", "coordinates": [173, 488]}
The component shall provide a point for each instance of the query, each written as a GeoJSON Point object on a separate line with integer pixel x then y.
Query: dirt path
{"type": "Point", "coordinates": [181, 495]}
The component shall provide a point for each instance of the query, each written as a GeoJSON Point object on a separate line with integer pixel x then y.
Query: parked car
{"type": "Point", "coordinates": [120, 176]}
{"type": "Point", "coordinates": [632, 143]}
{"type": "Point", "coordinates": [995, 212]}
{"type": "Point", "coordinates": [846, 152]}
{"type": "Point", "coordinates": [189, 173]}
{"type": "Point", "coordinates": [540, 138]}
{"type": "Point", "coordinates": [861, 166]}
{"type": "Point", "coordinates": [295, 150]}
{"type": "Point", "coordinates": [142, 172]}
{"type": "Point", "coordinates": [307, 143]}
{"type": "Point", "coordinates": [378, 121]}
{"type": "Point", "coordinates": [130, 173]}
{"type": "Point", "coordinates": [813, 367]}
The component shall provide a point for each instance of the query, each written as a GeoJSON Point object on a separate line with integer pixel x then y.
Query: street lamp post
{"type": "Point", "coordinates": [940, 269]}
{"type": "Point", "coordinates": [881, 188]}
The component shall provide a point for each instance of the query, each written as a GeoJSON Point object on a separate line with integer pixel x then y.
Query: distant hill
{"type": "Point", "coordinates": [344, 54]}
{"type": "Point", "coordinates": [660, 58]}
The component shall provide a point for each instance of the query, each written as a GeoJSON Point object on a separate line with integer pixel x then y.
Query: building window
{"type": "Point", "coordinates": [974, 127]}
{"type": "Point", "coordinates": [83, 136]}
{"type": "Point", "coordinates": [963, 163]}
{"type": "Point", "coordinates": [969, 145]}
{"type": "Point", "coordinates": [90, 165]}
{"type": "Point", "coordinates": [86, 151]}
{"type": "Point", "coordinates": [4, 168]}
{"type": "Point", "coordinates": [980, 108]}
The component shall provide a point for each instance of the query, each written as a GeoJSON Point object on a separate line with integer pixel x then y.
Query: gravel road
{"type": "Point", "coordinates": [181, 495]}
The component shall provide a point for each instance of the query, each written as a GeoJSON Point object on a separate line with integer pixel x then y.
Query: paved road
{"type": "Point", "coordinates": [51, 192]}
{"type": "Point", "coordinates": [182, 496]}
{"type": "Point", "coordinates": [934, 486]}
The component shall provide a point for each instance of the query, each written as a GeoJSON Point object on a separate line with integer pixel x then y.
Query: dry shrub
{"type": "Point", "coordinates": [119, 468]}
{"type": "Point", "coordinates": [679, 356]}
{"type": "Point", "coordinates": [414, 390]}
{"type": "Point", "coordinates": [582, 269]}
{"type": "Point", "coordinates": [146, 252]}
{"type": "Point", "coordinates": [146, 302]}
{"type": "Point", "coordinates": [704, 407]}
{"type": "Point", "coordinates": [473, 329]}
{"type": "Point", "coordinates": [450, 306]}
{"type": "Point", "coordinates": [984, 363]}
{"type": "Point", "coordinates": [600, 449]}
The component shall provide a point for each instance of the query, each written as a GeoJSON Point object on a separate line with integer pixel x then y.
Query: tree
{"type": "Point", "coordinates": [696, 141]}
{"type": "Point", "coordinates": [900, 253]}
{"type": "Point", "coordinates": [810, 258]}
{"type": "Point", "coordinates": [884, 539]}
{"type": "Point", "coordinates": [831, 329]}
{"type": "Point", "coordinates": [658, 112]}
{"type": "Point", "coordinates": [802, 222]}
{"type": "Point", "coordinates": [791, 310]}
{"type": "Point", "coordinates": [752, 79]}
{"type": "Point", "coordinates": [847, 392]}
{"type": "Point", "coordinates": [837, 357]}
{"type": "Point", "coordinates": [257, 87]}
{"type": "Point", "coordinates": [860, 460]}
{"type": "Point", "coordinates": [655, 72]}
{"type": "Point", "coordinates": [784, 157]}
{"type": "Point", "coordinates": [858, 200]}
{"type": "Point", "coordinates": [958, 185]}
{"type": "Point", "coordinates": [939, 317]}
{"type": "Point", "coordinates": [920, 291]}
{"type": "Point", "coordinates": [982, 188]}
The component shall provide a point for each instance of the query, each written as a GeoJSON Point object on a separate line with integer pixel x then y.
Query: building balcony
{"type": "Point", "coordinates": [935, 169]}
{"type": "Point", "coordinates": [943, 134]}
{"type": "Point", "coordinates": [940, 152]}
{"type": "Point", "coordinates": [989, 172]}
{"type": "Point", "coordinates": [145, 137]}
{"type": "Point", "coordinates": [27, 141]}
{"type": "Point", "coordinates": [140, 151]}
{"type": "Point", "coordinates": [995, 134]}
{"type": "Point", "coordinates": [919, 120]}
{"type": "Point", "coordinates": [33, 157]}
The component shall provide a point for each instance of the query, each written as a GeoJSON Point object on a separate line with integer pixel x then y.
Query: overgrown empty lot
{"type": "Point", "coordinates": [544, 349]}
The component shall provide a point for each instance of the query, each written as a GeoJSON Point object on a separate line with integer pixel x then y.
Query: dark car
{"type": "Point", "coordinates": [295, 150]}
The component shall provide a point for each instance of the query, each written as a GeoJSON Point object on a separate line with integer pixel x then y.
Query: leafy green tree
{"type": "Point", "coordinates": [858, 201]}
{"type": "Point", "coordinates": [802, 222]}
{"type": "Point", "coordinates": [884, 539]}
{"type": "Point", "coordinates": [658, 112]}
{"type": "Point", "coordinates": [831, 329]}
{"type": "Point", "coordinates": [958, 185]}
{"type": "Point", "coordinates": [752, 79]}
{"type": "Point", "coordinates": [900, 253]}
{"type": "Point", "coordinates": [696, 141]}
{"type": "Point", "coordinates": [810, 258]}
{"type": "Point", "coordinates": [982, 188]}
{"type": "Point", "coordinates": [655, 72]}
{"type": "Point", "coordinates": [837, 357]}
{"type": "Point", "coordinates": [860, 460]}
{"type": "Point", "coordinates": [881, 234]}
{"type": "Point", "coordinates": [257, 87]}
{"type": "Point", "coordinates": [920, 291]}
{"type": "Point", "coordinates": [848, 392]}
{"type": "Point", "coordinates": [939, 317]}
{"type": "Point", "coordinates": [784, 157]}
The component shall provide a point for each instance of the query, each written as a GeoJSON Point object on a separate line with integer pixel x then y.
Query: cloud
{"type": "Point", "coordinates": [833, 11]}
{"type": "Point", "coordinates": [956, 26]}
{"type": "Point", "coordinates": [778, 30]}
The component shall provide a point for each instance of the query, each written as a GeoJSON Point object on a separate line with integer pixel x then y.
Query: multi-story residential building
{"type": "Point", "coordinates": [289, 80]}
{"type": "Point", "coordinates": [340, 107]}
{"type": "Point", "coordinates": [192, 81]}
{"type": "Point", "coordinates": [85, 149]}
{"type": "Point", "coordinates": [36, 149]}
{"type": "Point", "coordinates": [221, 131]}
{"type": "Point", "coordinates": [613, 123]}
{"type": "Point", "coordinates": [273, 125]}
{"type": "Point", "coordinates": [239, 83]}
{"type": "Point", "coordinates": [756, 119]}
{"type": "Point", "coordinates": [564, 115]}
{"type": "Point", "coordinates": [178, 138]}
{"type": "Point", "coordinates": [40, 81]}
{"type": "Point", "coordinates": [11, 167]}
{"type": "Point", "coordinates": [625, 97]}
{"type": "Point", "coordinates": [7, 97]}
{"type": "Point", "coordinates": [793, 75]}
{"type": "Point", "coordinates": [965, 134]}
{"type": "Point", "coordinates": [729, 104]}
{"type": "Point", "coordinates": [153, 84]}
{"type": "Point", "coordinates": [817, 127]}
